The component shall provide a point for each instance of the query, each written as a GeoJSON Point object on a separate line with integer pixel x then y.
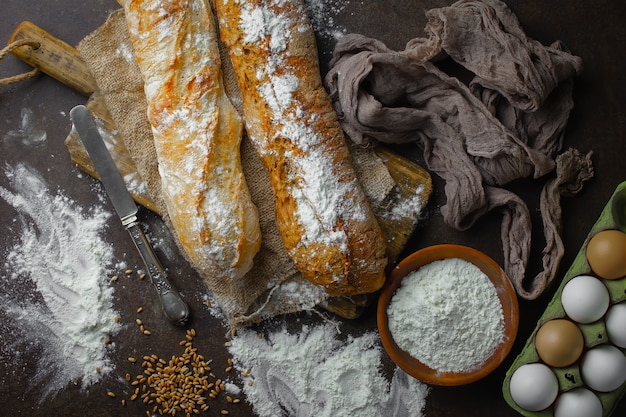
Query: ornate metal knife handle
{"type": "Point", "coordinates": [172, 303]}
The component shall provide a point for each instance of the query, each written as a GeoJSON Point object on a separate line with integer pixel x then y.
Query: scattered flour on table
{"type": "Point", "coordinates": [406, 207]}
{"type": "Point", "coordinates": [322, 14]}
{"type": "Point", "coordinates": [447, 314]}
{"type": "Point", "coordinates": [314, 373]}
{"type": "Point", "coordinates": [54, 281]}
{"type": "Point", "coordinates": [28, 133]}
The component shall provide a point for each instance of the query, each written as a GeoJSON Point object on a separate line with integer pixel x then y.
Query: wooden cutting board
{"type": "Point", "coordinates": [64, 63]}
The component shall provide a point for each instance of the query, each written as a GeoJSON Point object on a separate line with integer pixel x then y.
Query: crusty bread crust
{"type": "Point", "coordinates": [197, 133]}
{"type": "Point", "coordinates": [323, 216]}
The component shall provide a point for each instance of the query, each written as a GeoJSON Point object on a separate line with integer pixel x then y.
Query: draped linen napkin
{"type": "Point", "coordinates": [506, 123]}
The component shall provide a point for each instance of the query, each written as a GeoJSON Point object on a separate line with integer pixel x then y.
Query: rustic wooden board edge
{"type": "Point", "coordinates": [54, 57]}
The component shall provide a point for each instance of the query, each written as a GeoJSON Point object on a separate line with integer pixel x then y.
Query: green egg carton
{"type": "Point", "coordinates": [594, 333]}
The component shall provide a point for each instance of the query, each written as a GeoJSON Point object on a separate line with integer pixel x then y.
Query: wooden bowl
{"type": "Point", "coordinates": [506, 294]}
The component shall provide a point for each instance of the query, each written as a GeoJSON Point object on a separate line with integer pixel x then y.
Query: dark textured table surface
{"type": "Point", "coordinates": [594, 31]}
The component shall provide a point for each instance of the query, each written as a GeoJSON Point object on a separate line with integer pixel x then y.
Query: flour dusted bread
{"type": "Point", "coordinates": [197, 133]}
{"type": "Point", "coordinates": [324, 219]}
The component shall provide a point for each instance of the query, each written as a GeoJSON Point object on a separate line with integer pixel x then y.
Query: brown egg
{"type": "Point", "coordinates": [559, 342]}
{"type": "Point", "coordinates": [606, 254]}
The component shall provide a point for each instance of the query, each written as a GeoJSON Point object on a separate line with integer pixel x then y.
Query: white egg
{"type": "Point", "coordinates": [534, 386]}
{"type": "Point", "coordinates": [579, 402]}
{"type": "Point", "coordinates": [585, 299]}
{"type": "Point", "coordinates": [616, 324]}
{"type": "Point", "coordinates": [603, 368]}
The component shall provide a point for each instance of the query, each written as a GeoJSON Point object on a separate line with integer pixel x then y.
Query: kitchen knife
{"type": "Point", "coordinates": [173, 305]}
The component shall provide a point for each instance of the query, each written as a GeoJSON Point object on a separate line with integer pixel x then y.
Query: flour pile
{"type": "Point", "coordinates": [314, 373]}
{"type": "Point", "coordinates": [54, 282]}
{"type": "Point", "coordinates": [447, 314]}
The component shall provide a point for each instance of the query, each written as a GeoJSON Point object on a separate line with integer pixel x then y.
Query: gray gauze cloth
{"type": "Point", "coordinates": [506, 123]}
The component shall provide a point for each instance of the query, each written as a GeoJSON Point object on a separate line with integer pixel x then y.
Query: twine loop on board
{"type": "Point", "coordinates": [11, 47]}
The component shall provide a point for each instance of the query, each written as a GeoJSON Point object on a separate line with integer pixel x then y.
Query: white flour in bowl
{"type": "Point", "coordinates": [447, 314]}
{"type": "Point", "coordinates": [55, 286]}
{"type": "Point", "coordinates": [314, 373]}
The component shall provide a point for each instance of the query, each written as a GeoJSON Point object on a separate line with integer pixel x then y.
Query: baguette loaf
{"type": "Point", "coordinates": [322, 214]}
{"type": "Point", "coordinates": [197, 134]}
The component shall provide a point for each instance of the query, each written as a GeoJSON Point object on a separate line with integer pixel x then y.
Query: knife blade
{"type": "Point", "coordinates": [174, 307]}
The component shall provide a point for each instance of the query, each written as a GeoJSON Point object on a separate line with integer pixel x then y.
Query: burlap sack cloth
{"type": "Point", "coordinates": [273, 286]}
